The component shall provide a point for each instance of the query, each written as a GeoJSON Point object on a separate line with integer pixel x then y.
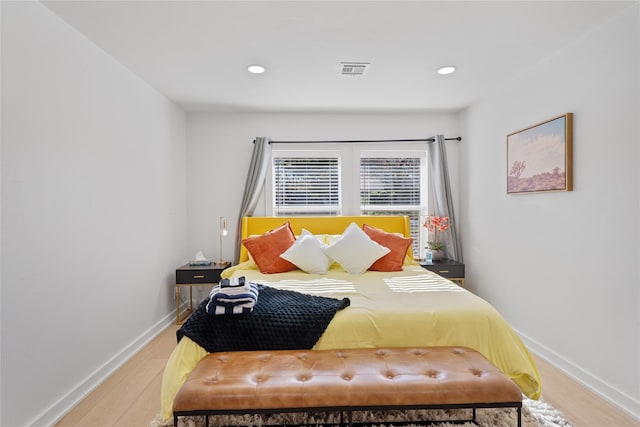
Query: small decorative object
{"type": "Point", "coordinates": [199, 259]}
{"type": "Point", "coordinates": [429, 257]}
{"type": "Point", "coordinates": [223, 233]}
{"type": "Point", "coordinates": [539, 158]}
{"type": "Point", "coordinates": [436, 224]}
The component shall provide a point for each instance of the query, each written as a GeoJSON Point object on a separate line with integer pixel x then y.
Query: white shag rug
{"type": "Point", "coordinates": [535, 413]}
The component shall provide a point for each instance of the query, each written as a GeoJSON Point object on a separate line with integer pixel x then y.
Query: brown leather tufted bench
{"type": "Point", "coordinates": [345, 381]}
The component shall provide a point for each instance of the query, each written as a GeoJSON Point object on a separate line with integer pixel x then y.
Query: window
{"type": "Point", "coordinates": [351, 180]}
{"type": "Point", "coordinates": [393, 186]}
{"type": "Point", "coordinates": [306, 185]}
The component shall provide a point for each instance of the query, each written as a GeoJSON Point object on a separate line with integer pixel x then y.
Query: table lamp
{"type": "Point", "coordinates": [223, 233]}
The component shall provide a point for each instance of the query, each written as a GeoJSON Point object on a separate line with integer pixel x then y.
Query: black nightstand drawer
{"type": "Point", "coordinates": [447, 271]}
{"type": "Point", "coordinates": [198, 275]}
{"type": "Point", "coordinates": [446, 268]}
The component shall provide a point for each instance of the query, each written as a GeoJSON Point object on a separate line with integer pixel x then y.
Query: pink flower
{"type": "Point", "coordinates": [435, 224]}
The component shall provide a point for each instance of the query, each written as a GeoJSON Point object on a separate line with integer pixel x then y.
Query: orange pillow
{"type": "Point", "coordinates": [266, 249]}
{"type": "Point", "coordinates": [398, 245]}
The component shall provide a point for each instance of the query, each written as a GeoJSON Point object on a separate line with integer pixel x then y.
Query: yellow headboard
{"type": "Point", "coordinates": [255, 225]}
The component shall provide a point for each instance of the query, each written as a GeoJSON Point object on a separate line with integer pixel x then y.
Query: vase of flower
{"type": "Point", "coordinates": [436, 254]}
{"type": "Point", "coordinates": [436, 224]}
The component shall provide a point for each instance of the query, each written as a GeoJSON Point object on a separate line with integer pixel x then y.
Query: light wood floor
{"type": "Point", "coordinates": [131, 396]}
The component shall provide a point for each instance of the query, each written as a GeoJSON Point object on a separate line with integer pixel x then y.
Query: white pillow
{"type": "Point", "coordinates": [306, 254]}
{"type": "Point", "coordinates": [355, 251]}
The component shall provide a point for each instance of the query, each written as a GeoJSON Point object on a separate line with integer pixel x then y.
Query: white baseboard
{"type": "Point", "coordinates": [606, 391]}
{"type": "Point", "coordinates": [62, 406]}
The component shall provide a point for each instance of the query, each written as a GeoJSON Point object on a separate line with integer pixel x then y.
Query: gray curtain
{"type": "Point", "coordinates": [255, 182]}
{"type": "Point", "coordinates": [441, 195]}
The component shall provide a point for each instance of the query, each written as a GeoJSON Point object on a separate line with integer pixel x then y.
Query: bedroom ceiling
{"type": "Point", "coordinates": [197, 52]}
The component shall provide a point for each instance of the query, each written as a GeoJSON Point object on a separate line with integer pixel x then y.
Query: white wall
{"type": "Point", "coordinates": [220, 145]}
{"type": "Point", "coordinates": [563, 267]}
{"type": "Point", "coordinates": [93, 213]}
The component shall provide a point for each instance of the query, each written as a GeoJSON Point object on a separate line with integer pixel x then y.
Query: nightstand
{"type": "Point", "coordinates": [449, 268]}
{"type": "Point", "coordinates": [194, 275]}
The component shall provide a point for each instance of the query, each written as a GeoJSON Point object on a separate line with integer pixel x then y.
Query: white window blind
{"type": "Point", "coordinates": [394, 186]}
{"type": "Point", "coordinates": [306, 186]}
{"type": "Point", "coordinates": [390, 184]}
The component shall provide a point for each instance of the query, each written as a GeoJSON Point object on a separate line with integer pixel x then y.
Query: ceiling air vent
{"type": "Point", "coordinates": [354, 68]}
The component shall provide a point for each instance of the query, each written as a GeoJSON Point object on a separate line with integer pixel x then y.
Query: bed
{"type": "Point", "coordinates": [406, 307]}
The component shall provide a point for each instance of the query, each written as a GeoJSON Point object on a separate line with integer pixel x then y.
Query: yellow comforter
{"type": "Point", "coordinates": [409, 308]}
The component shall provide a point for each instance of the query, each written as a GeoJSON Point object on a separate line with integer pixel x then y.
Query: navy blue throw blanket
{"type": "Point", "coordinates": [280, 320]}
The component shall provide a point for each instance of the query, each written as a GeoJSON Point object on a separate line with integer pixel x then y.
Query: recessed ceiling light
{"type": "Point", "coordinates": [255, 69]}
{"type": "Point", "coordinates": [446, 70]}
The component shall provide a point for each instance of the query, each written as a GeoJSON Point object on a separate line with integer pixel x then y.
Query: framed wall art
{"type": "Point", "coordinates": [539, 158]}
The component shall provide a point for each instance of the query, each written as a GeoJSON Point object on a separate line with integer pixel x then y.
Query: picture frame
{"type": "Point", "coordinates": [540, 157]}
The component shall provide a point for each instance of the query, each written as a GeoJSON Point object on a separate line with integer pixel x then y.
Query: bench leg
{"type": "Point", "coordinates": [519, 416]}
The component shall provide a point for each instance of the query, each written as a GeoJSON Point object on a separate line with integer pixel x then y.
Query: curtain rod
{"type": "Point", "coordinates": [354, 141]}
